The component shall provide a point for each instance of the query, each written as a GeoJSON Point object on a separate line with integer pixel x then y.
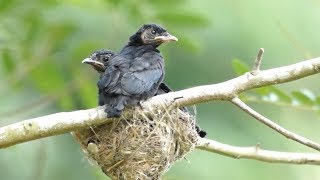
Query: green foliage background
{"type": "Point", "coordinates": [42, 44]}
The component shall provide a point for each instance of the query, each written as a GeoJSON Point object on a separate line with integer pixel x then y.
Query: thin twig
{"type": "Point", "coordinates": [258, 154]}
{"type": "Point", "coordinates": [275, 126]}
{"type": "Point", "coordinates": [256, 67]}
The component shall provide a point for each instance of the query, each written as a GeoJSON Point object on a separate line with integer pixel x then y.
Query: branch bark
{"type": "Point", "coordinates": [257, 63]}
{"type": "Point", "coordinates": [50, 125]}
{"type": "Point", "coordinates": [229, 89]}
{"type": "Point", "coordinates": [275, 126]}
{"type": "Point", "coordinates": [258, 154]}
{"type": "Point", "coordinates": [69, 121]}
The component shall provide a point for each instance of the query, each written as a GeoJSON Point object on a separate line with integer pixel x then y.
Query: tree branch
{"type": "Point", "coordinates": [65, 122]}
{"type": "Point", "coordinates": [258, 154]}
{"type": "Point", "coordinates": [256, 67]}
{"type": "Point", "coordinates": [50, 125]}
{"type": "Point", "coordinates": [231, 88]}
{"type": "Point", "coordinates": [275, 126]}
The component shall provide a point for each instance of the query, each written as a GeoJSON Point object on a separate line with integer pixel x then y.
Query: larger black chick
{"type": "Point", "coordinates": [136, 72]}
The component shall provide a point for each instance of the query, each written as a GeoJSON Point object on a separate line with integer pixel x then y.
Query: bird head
{"type": "Point", "coordinates": [99, 59]}
{"type": "Point", "coordinates": [152, 34]}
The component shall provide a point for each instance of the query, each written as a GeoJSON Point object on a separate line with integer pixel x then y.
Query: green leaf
{"type": "Point", "coordinates": [309, 93]}
{"type": "Point", "coordinates": [274, 93]}
{"type": "Point", "coordinates": [281, 95]}
{"type": "Point", "coordinates": [239, 66]}
{"type": "Point", "coordinates": [113, 2]}
{"type": "Point", "coordinates": [302, 97]}
{"type": "Point", "coordinates": [318, 100]}
{"type": "Point", "coordinates": [167, 3]}
{"type": "Point", "coordinates": [263, 90]}
{"type": "Point", "coordinates": [8, 61]}
{"type": "Point", "coordinates": [5, 4]}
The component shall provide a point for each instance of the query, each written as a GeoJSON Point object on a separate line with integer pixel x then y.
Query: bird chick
{"type": "Point", "coordinates": [99, 61]}
{"type": "Point", "coordinates": [136, 72]}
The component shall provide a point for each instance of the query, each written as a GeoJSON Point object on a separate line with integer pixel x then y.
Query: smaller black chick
{"type": "Point", "coordinates": [99, 61]}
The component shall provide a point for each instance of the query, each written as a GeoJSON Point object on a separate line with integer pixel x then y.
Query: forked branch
{"type": "Point", "coordinates": [64, 122]}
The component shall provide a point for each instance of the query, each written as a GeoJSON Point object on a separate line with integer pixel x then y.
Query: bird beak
{"type": "Point", "coordinates": [95, 64]}
{"type": "Point", "coordinates": [166, 38]}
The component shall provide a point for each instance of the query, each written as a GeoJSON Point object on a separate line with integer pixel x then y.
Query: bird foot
{"type": "Point", "coordinates": [200, 132]}
{"type": "Point", "coordinates": [113, 113]}
{"type": "Point", "coordinates": [140, 104]}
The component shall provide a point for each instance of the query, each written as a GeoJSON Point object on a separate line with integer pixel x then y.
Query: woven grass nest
{"type": "Point", "coordinates": [140, 145]}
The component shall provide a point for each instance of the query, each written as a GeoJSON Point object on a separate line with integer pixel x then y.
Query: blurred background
{"type": "Point", "coordinates": [42, 44]}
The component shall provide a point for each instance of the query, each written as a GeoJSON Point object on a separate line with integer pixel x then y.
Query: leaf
{"type": "Point", "coordinates": [113, 2]}
{"type": "Point", "coordinates": [301, 97]}
{"type": "Point", "coordinates": [263, 90]}
{"type": "Point", "coordinates": [8, 61]}
{"type": "Point", "coordinates": [188, 19]}
{"type": "Point", "coordinates": [283, 97]}
{"type": "Point", "coordinates": [318, 100]}
{"type": "Point", "coordinates": [167, 3]}
{"type": "Point", "coordinates": [239, 66]}
{"type": "Point", "coordinates": [309, 93]}
{"type": "Point", "coordinates": [5, 4]}
{"type": "Point", "coordinates": [278, 94]}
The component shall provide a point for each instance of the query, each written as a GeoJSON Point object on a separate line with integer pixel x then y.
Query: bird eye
{"type": "Point", "coordinates": [153, 32]}
{"type": "Point", "coordinates": [105, 58]}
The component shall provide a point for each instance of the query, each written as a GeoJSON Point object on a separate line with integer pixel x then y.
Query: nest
{"type": "Point", "coordinates": [139, 146]}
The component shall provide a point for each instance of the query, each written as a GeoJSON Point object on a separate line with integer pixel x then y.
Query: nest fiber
{"type": "Point", "coordinates": [140, 145]}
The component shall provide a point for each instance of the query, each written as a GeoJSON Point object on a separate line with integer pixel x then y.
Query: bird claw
{"type": "Point", "coordinates": [140, 104]}
{"type": "Point", "coordinates": [201, 132]}
{"type": "Point", "coordinates": [112, 112]}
